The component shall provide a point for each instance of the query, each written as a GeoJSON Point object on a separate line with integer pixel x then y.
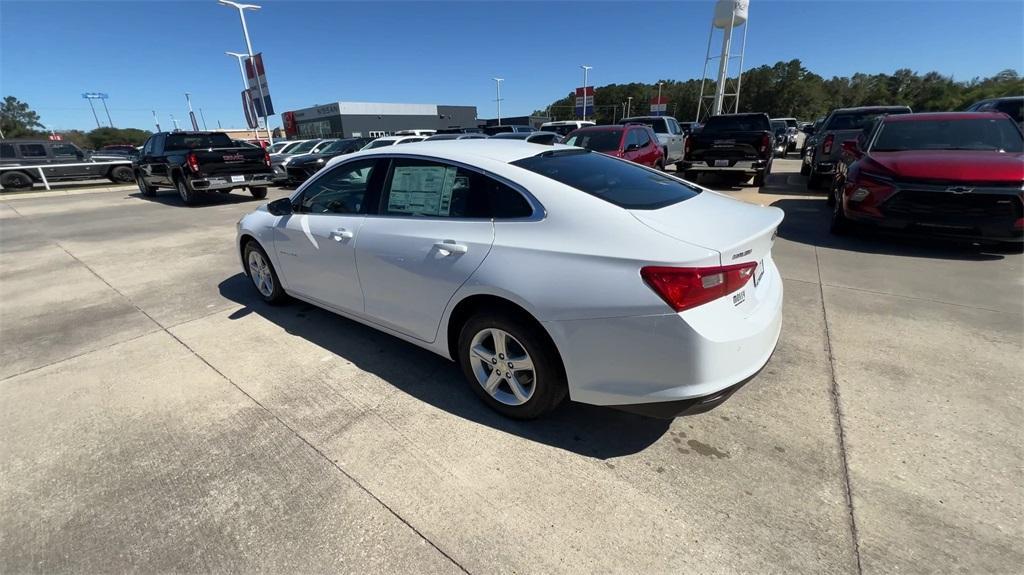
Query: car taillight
{"type": "Point", "coordinates": [687, 147]}
{"type": "Point", "coordinates": [686, 288]}
{"type": "Point", "coordinates": [766, 144]}
{"type": "Point", "coordinates": [193, 162]}
{"type": "Point", "coordinates": [826, 146]}
{"type": "Point", "coordinates": [1019, 224]}
{"type": "Point", "coordinates": [266, 159]}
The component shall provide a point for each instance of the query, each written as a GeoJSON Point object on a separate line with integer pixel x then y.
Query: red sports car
{"type": "Point", "coordinates": [955, 174]}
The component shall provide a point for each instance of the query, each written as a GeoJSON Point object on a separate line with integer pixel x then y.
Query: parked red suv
{"type": "Point", "coordinates": [955, 174]}
{"type": "Point", "coordinates": [634, 142]}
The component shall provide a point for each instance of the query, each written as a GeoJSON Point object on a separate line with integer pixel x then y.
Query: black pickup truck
{"type": "Point", "coordinates": [196, 162]}
{"type": "Point", "coordinates": [737, 144]}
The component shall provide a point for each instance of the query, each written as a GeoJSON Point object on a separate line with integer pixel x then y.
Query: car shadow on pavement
{"type": "Point", "coordinates": [171, 198]}
{"type": "Point", "coordinates": [587, 430]}
{"type": "Point", "coordinates": [807, 222]}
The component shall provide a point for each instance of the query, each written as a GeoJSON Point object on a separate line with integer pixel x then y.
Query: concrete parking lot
{"type": "Point", "coordinates": [155, 416]}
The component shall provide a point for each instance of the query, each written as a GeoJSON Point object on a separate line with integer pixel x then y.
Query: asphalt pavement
{"type": "Point", "coordinates": [156, 416]}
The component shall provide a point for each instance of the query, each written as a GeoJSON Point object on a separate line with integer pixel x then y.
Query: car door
{"type": "Point", "coordinates": [64, 153]}
{"type": "Point", "coordinates": [432, 233]}
{"type": "Point", "coordinates": [315, 245]}
{"type": "Point", "coordinates": [649, 152]}
{"type": "Point", "coordinates": [676, 139]}
{"type": "Point", "coordinates": [159, 168]}
{"type": "Point", "coordinates": [145, 161]}
{"type": "Point", "coordinates": [34, 155]}
{"type": "Point", "coordinates": [631, 145]}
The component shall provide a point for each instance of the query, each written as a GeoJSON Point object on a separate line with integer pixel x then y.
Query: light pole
{"type": "Point", "coordinates": [241, 70]}
{"type": "Point", "coordinates": [248, 45]}
{"type": "Point", "coordinates": [191, 114]}
{"type": "Point", "coordinates": [585, 70]}
{"type": "Point", "coordinates": [629, 106]}
{"type": "Point", "coordinates": [156, 121]}
{"type": "Point", "coordinates": [175, 122]}
{"type": "Point", "coordinates": [660, 112]}
{"type": "Point", "coordinates": [497, 97]}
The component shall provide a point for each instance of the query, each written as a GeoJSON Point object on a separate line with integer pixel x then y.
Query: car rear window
{"type": "Point", "coordinates": [996, 134]}
{"type": "Point", "coordinates": [597, 140]}
{"type": "Point", "coordinates": [753, 123]}
{"type": "Point", "coordinates": [197, 141]}
{"type": "Point", "coordinates": [619, 182]}
{"type": "Point", "coordinates": [657, 124]}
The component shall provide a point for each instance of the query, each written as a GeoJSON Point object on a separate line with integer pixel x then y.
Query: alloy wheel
{"type": "Point", "coordinates": [259, 272]}
{"type": "Point", "coordinates": [502, 366]}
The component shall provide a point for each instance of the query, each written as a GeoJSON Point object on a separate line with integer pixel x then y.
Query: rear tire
{"type": "Point", "coordinates": [813, 181]}
{"type": "Point", "coordinates": [188, 195]}
{"type": "Point", "coordinates": [759, 180]}
{"type": "Point", "coordinates": [532, 391]}
{"type": "Point", "coordinates": [121, 174]}
{"type": "Point", "coordinates": [839, 225]}
{"type": "Point", "coordinates": [261, 272]}
{"type": "Point", "coordinates": [14, 180]}
{"type": "Point", "coordinates": [659, 165]}
{"type": "Point", "coordinates": [258, 192]}
{"type": "Point", "coordinates": [144, 189]}
{"type": "Point", "coordinates": [805, 170]}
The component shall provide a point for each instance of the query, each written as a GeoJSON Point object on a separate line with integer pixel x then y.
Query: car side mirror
{"type": "Point", "coordinates": [809, 130]}
{"type": "Point", "coordinates": [851, 147]}
{"type": "Point", "coordinates": [281, 207]}
{"type": "Point", "coordinates": [631, 147]}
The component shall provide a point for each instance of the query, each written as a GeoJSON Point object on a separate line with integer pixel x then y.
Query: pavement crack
{"type": "Point", "coordinates": [930, 300]}
{"type": "Point", "coordinates": [838, 412]}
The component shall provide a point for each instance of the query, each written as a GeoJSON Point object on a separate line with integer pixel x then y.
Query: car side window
{"type": "Point", "coordinates": [424, 188]}
{"type": "Point", "coordinates": [632, 138]}
{"type": "Point", "coordinates": [148, 148]}
{"type": "Point", "coordinates": [643, 138]}
{"type": "Point", "coordinates": [343, 190]}
{"type": "Point", "coordinates": [32, 150]}
{"type": "Point", "coordinates": [6, 151]}
{"type": "Point", "coordinates": [65, 151]}
{"type": "Point", "coordinates": [673, 127]}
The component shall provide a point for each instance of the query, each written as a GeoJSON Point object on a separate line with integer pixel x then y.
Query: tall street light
{"type": "Point", "coordinates": [241, 70]}
{"type": "Point", "coordinates": [585, 70]}
{"type": "Point", "coordinates": [629, 106]}
{"type": "Point", "coordinates": [497, 97]}
{"type": "Point", "coordinates": [660, 111]}
{"type": "Point", "coordinates": [248, 45]}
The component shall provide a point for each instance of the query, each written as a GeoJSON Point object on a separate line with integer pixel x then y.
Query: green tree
{"type": "Point", "coordinates": [17, 119]}
{"type": "Point", "coordinates": [105, 136]}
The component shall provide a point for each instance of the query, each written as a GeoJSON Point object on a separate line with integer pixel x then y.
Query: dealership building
{"type": "Point", "coordinates": [374, 119]}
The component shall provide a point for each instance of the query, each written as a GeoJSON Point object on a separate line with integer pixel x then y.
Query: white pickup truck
{"type": "Point", "coordinates": [670, 135]}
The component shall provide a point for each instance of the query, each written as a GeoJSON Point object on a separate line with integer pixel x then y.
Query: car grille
{"type": "Point", "coordinates": [946, 205]}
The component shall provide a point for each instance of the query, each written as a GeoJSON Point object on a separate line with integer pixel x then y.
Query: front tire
{"type": "Point", "coordinates": [840, 224]}
{"type": "Point", "coordinates": [511, 365]}
{"type": "Point", "coordinates": [144, 188]}
{"type": "Point", "coordinates": [258, 192]}
{"type": "Point", "coordinates": [262, 273]}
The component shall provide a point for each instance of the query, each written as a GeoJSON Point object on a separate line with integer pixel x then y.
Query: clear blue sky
{"type": "Point", "coordinates": [147, 54]}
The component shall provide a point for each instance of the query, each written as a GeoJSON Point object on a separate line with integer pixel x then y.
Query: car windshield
{"type": "Point", "coordinates": [561, 130]}
{"type": "Point", "coordinates": [511, 136]}
{"type": "Point", "coordinates": [337, 146]}
{"type": "Point", "coordinates": [659, 124]}
{"type": "Point", "coordinates": [996, 134]}
{"type": "Point", "coordinates": [278, 147]}
{"type": "Point", "coordinates": [597, 140]}
{"type": "Point", "coordinates": [857, 120]}
{"type": "Point", "coordinates": [619, 182]}
{"type": "Point", "coordinates": [751, 123]}
{"type": "Point", "coordinates": [181, 141]}
{"type": "Point", "coordinates": [778, 125]}
{"type": "Point", "coordinates": [791, 122]}
{"type": "Point", "coordinates": [304, 147]}
{"type": "Point", "coordinates": [379, 144]}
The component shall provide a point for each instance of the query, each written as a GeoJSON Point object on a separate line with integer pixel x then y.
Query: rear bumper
{"type": "Point", "coordinates": [676, 363]}
{"type": "Point", "coordinates": [749, 167]}
{"type": "Point", "coordinates": [950, 227]}
{"type": "Point", "coordinates": [225, 183]}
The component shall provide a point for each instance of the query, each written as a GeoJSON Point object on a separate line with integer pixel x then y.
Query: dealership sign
{"type": "Point", "coordinates": [659, 105]}
{"type": "Point", "coordinates": [585, 101]}
{"type": "Point", "coordinates": [256, 80]}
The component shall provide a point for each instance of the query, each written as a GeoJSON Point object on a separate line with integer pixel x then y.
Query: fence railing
{"type": "Point", "coordinates": [41, 167]}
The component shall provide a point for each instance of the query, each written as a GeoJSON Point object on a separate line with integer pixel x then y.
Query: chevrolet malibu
{"type": "Point", "coordinates": [544, 272]}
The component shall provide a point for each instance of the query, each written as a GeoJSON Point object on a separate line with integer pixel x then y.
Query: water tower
{"type": "Point", "coordinates": [728, 15]}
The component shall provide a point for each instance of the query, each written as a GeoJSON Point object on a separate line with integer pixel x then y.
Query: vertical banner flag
{"type": "Point", "coordinates": [256, 77]}
{"type": "Point", "coordinates": [288, 119]}
{"type": "Point", "coordinates": [659, 105]}
{"type": "Point", "coordinates": [585, 104]}
{"type": "Point", "coordinates": [250, 112]}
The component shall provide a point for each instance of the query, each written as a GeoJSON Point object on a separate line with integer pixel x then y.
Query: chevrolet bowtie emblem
{"type": "Point", "coordinates": [960, 190]}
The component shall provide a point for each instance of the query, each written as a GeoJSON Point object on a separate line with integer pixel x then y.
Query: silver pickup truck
{"type": "Point", "coordinates": [670, 135]}
{"type": "Point", "coordinates": [840, 125]}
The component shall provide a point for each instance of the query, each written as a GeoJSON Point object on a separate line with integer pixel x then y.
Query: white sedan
{"type": "Point", "coordinates": [544, 271]}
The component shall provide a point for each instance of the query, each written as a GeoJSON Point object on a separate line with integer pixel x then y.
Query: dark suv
{"type": "Point", "coordinates": [1012, 106]}
{"type": "Point", "coordinates": [840, 125]}
{"type": "Point", "coordinates": [55, 157]}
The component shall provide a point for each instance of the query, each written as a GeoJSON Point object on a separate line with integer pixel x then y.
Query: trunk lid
{"type": "Point", "coordinates": [242, 160]}
{"type": "Point", "coordinates": [722, 145]}
{"type": "Point", "coordinates": [739, 231]}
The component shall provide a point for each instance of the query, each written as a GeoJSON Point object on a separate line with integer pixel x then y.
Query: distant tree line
{"type": "Point", "coordinates": [787, 89]}
{"type": "Point", "coordinates": [18, 120]}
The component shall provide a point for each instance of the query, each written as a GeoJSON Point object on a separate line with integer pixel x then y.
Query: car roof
{"type": "Point", "coordinates": [869, 109]}
{"type": "Point", "coordinates": [499, 150]}
{"type": "Point", "coordinates": [934, 116]}
{"type": "Point", "coordinates": [1000, 99]}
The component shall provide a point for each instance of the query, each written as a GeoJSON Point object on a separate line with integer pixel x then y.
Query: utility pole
{"type": "Point", "coordinates": [191, 114]}
{"type": "Point", "coordinates": [94, 116]}
{"type": "Point", "coordinates": [175, 122]}
{"type": "Point", "coordinates": [203, 117]}
{"type": "Point", "coordinates": [156, 121]}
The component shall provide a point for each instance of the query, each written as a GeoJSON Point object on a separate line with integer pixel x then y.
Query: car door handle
{"type": "Point", "coordinates": [341, 234]}
{"type": "Point", "coordinates": [449, 247]}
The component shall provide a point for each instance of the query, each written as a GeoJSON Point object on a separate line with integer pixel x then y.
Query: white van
{"type": "Point", "coordinates": [564, 127]}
